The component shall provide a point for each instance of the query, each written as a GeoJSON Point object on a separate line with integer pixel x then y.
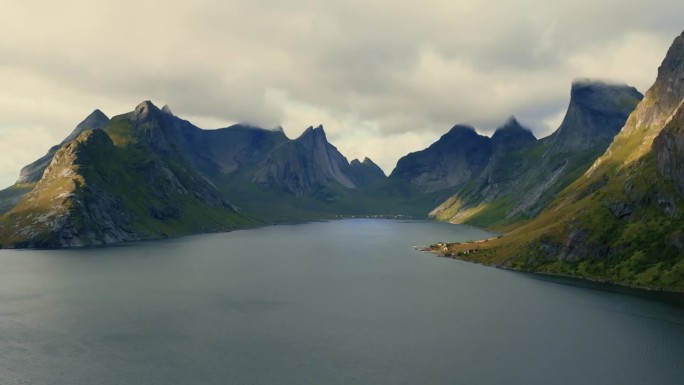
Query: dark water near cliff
{"type": "Point", "coordinates": [323, 303]}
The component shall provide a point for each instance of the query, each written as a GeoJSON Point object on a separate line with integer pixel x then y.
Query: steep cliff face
{"type": "Point", "coordinates": [525, 174]}
{"type": "Point", "coordinates": [622, 220]}
{"type": "Point", "coordinates": [305, 165]}
{"type": "Point", "coordinates": [596, 113]}
{"type": "Point", "coordinates": [94, 192]}
{"type": "Point", "coordinates": [456, 158]}
{"type": "Point", "coordinates": [669, 151]}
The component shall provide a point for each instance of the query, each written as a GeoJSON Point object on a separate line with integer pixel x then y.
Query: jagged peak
{"type": "Point", "coordinates": [318, 131]}
{"type": "Point", "coordinates": [668, 89]}
{"type": "Point", "coordinates": [167, 110]}
{"type": "Point", "coordinates": [513, 126]}
{"type": "Point", "coordinates": [512, 120]}
{"type": "Point", "coordinates": [367, 160]}
{"type": "Point", "coordinates": [97, 114]}
{"type": "Point", "coordinates": [95, 118]}
{"type": "Point", "coordinates": [143, 109]}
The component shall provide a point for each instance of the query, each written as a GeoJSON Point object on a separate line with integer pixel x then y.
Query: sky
{"type": "Point", "coordinates": [384, 77]}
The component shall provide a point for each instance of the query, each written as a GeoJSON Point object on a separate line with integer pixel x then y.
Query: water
{"type": "Point", "coordinates": [338, 302]}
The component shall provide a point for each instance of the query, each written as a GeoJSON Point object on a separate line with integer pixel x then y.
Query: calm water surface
{"type": "Point", "coordinates": [339, 302]}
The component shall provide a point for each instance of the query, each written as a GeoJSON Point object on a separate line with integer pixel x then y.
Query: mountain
{"type": "Point", "coordinates": [622, 221]}
{"type": "Point", "coordinates": [365, 173]}
{"type": "Point", "coordinates": [97, 192]}
{"type": "Point", "coordinates": [524, 174]}
{"type": "Point", "coordinates": [305, 165]}
{"type": "Point", "coordinates": [148, 173]}
{"type": "Point", "coordinates": [34, 171]}
{"type": "Point", "coordinates": [450, 162]}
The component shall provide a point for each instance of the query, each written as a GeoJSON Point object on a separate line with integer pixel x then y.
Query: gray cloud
{"type": "Point", "coordinates": [403, 72]}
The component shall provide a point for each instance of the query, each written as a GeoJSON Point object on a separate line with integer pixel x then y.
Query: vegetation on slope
{"type": "Point", "coordinates": [623, 220]}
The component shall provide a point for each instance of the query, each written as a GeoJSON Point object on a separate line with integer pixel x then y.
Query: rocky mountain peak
{"type": "Point", "coordinates": [511, 121]}
{"type": "Point", "coordinates": [512, 126]}
{"type": "Point", "coordinates": [669, 85]}
{"type": "Point", "coordinates": [314, 136]}
{"type": "Point", "coordinates": [512, 135]}
{"type": "Point", "coordinates": [313, 132]}
{"type": "Point", "coordinates": [596, 113]}
{"type": "Point", "coordinates": [96, 120]}
{"type": "Point", "coordinates": [144, 110]}
{"type": "Point", "coordinates": [592, 93]}
{"type": "Point", "coordinates": [367, 160]}
{"type": "Point", "coordinates": [365, 173]}
{"type": "Point", "coordinates": [96, 117]}
{"type": "Point", "coordinates": [167, 110]}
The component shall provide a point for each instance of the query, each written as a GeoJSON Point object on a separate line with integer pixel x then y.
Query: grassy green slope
{"type": "Point", "coordinates": [623, 220]}
{"type": "Point", "coordinates": [386, 198]}
{"type": "Point", "coordinates": [102, 193]}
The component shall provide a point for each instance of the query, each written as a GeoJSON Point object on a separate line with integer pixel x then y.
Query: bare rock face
{"type": "Point", "coordinates": [669, 149]}
{"type": "Point", "coordinates": [34, 171]}
{"type": "Point", "coordinates": [305, 165]}
{"type": "Point", "coordinates": [596, 113]}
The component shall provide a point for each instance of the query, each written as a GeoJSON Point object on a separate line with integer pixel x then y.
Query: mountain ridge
{"type": "Point", "coordinates": [523, 176]}
{"type": "Point", "coordinates": [622, 220]}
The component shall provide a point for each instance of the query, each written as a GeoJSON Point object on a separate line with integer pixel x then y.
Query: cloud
{"type": "Point", "coordinates": [394, 72]}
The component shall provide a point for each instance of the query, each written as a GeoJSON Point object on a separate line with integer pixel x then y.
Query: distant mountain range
{"type": "Point", "coordinates": [605, 187]}
{"type": "Point", "coordinates": [260, 175]}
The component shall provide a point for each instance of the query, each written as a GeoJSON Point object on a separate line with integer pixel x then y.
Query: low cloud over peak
{"type": "Point", "coordinates": [384, 79]}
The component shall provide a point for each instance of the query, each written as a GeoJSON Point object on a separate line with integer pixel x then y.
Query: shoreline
{"type": "Point", "coordinates": [578, 280]}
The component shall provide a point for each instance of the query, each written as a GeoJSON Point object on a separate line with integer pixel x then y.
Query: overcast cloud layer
{"type": "Point", "coordinates": [384, 77]}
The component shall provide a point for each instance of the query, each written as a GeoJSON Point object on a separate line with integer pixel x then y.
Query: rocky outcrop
{"type": "Point", "coordinates": [669, 150]}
